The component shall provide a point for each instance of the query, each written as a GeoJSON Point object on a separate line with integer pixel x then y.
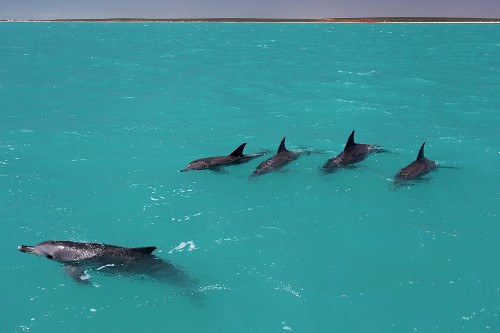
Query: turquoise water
{"type": "Point", "coordinates": [96, 119]}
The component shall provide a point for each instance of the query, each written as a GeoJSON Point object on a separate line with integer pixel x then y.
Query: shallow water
{"type": "Point", "coordinates": [97, 119]}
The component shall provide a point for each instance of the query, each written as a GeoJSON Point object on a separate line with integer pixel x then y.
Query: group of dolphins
{"type": "Point", "coordinates": [353, 152]}
{"type": "Point", "coordinates": [78, 258]}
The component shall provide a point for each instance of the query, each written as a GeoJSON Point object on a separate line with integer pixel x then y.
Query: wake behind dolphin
{"type": "Point", "coordinates": [78, 258]}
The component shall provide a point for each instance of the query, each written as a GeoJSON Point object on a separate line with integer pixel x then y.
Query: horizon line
{"type": "Point", "coordinates": [366, 19]}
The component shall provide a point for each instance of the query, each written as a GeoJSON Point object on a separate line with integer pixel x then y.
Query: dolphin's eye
{"type": "Point", "coordinates": [49, 256]}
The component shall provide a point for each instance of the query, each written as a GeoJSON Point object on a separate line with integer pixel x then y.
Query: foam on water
{"type": "Point", "coordinates": [97, 119]}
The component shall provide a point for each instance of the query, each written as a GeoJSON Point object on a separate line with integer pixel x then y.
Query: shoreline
{"type": "Point", "coordinates": [270, 20]}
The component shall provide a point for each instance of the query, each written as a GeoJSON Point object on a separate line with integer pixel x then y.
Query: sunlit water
{"type": "Point", "coordinates": [97, 119]}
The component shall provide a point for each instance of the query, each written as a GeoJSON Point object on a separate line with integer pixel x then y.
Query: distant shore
{"type": "Point", "coordinates": [270, 20]}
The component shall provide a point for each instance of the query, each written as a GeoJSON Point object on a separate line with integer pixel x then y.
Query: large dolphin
{"type": "Point", "coordinates": [353, 152]}
{"type": "Point", "coordinates": [81, 258]}
{"type": "Point", "coordinates": [416, 168]}
{"type": "Point", "coordinates": [276, 162]}
{"type": "Point", "coordinates": [217, 162]}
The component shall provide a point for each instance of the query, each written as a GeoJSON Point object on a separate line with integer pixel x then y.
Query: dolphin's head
{"type": "Point", "coordinates": [200, 164]}
{"type": "Point", "coordinates": [27, 249]}
{"type": "Point", "coordinates": [56, 250]}
{"type": "Point", "coordinates": [47, 250]}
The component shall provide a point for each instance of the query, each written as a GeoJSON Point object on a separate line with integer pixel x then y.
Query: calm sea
{"type": "Point", "coordinates": [97, 119]}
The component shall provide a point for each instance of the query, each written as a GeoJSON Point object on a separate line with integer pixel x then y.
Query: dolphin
{"type": "Point", "coordinates": [217, 162]}
{"type": "Point", "coordinates": [353, 152]}
{"type": "Point", "coordinates": [276, 162]}
{"type": "Point", "coordinates": [79, 258]}
{"type": "Point", "coordinates": [416, 168]}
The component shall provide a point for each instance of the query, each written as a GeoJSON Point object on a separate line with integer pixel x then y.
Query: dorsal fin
{"type": "Point", "coordinates": [421, 152]}
{"type": "Point", "coordinates": [282, 147]}
{"type": "Point", "coordinates": [144, 250]}
{"type": "Point", "coordinates": [238, 152]}
{"type": "Point", "coordinates": [350, 141]}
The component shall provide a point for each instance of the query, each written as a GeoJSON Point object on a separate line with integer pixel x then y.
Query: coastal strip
{"type": "Point", "coordinates": [271, 20]}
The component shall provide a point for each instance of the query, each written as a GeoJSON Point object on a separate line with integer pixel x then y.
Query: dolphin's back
{"type": "Point", "coordinates": [348, 156]}
{"type": "Point", "coordinates": [275, 163]}
{"type": "Point", "coordinates": [415, 169]}
{"type": "Point", "coordinates": [139, 261]}
{"type": "Point", "coordinates": [122, 255]}
{"type": "Point", "coordinates": [353, 152]}
{"type": "Point", "coordinates": [283, 157]}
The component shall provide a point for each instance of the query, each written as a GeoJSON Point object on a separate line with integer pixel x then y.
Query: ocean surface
{"type": "Point", "coordinates": [96, 119]}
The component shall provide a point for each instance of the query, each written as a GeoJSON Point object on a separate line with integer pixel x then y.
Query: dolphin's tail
{"type": "Point", "coordinates": [309, 151]}
{"type": "Point", "coordinates": [449, 167]}
{"type": "Point", "coordinates": [258, 154]}
{"type": "Point", "coordinates": [375, 149]}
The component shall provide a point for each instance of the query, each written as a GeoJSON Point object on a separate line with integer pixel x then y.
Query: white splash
{"type": "Point", "coordinates": [213, 287]}
{"type": "Point", "coordinates": [86, 276]}
{"type": "Point", "coordinates": [288, 288]}
{"type": "Point", "coordinates": [107, 265]}
{"type": "Point", "coordinates": [182, 246]}
{"type": "Point", "coordinates": [192, 246]}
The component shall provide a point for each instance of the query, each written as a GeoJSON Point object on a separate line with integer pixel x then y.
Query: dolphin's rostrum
{"type": "Point", "coordinates": [78, 258]}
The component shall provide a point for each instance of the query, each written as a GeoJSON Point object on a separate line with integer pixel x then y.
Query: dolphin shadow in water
{"type": "Point", "coordinates": [216, 163]}
{"type": "Point", "coordinates": [78, 258]}
{"type": "Point", "coordinates": [283, 157]}
{"type": "Point", "coordinates": [353, 152]}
